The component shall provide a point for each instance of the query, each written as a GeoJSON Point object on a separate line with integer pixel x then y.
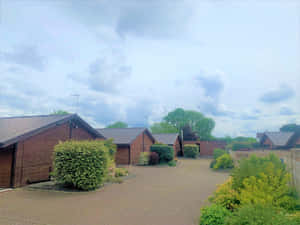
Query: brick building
{"type": "Point", "coordinates": [171, 140]}
{"type": "Point", "coordinates": [206, 148]}
{"type": "Point", "coordinates": [279, 140]}
{"type": "Point", "coordinates": [130, 142]}
{"type": "Point", "coordinates": [26, 145]}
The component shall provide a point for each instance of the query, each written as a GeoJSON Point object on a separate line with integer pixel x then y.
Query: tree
{"type": "Point", "coordinates": [118, 124]}
{"type": "Point", "coordinates": [198, 123]}
{"type": "Point", "coordinates": [189, 134]}
{"type": "Point", "coordinates": [163, 127]}
{"type": "Point", "coordinates": [290, 128]}
{"type": "Point", "coordinates": [59, 112]}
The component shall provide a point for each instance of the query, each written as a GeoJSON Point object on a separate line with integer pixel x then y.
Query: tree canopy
{"type": "Point", "coordinates": [60, 112]}
{"type": "Point", "coordinates": [292, 127]}
{"type": "Point", "coordinates": [163, 127]}
{"type": "Point", "coordinates": [118, 124]}
{"type": "Point", "coordinates": [179, 118]}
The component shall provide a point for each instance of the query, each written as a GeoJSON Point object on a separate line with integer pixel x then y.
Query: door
{"type": "Point", "coordinates": [6, 158]}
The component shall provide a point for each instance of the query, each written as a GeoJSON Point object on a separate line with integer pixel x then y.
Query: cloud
{"type": "Point", "coordinates": [286, 111]}
{"type": "Point", "coordinates": [27, 56]}
{"type": "Point", "coordinates": [156, 19]}
{"type": "Point", "coordinates": [212, 85]}
{"type": "Point", "coordinates": [105, 77]}
{"type": "Point", "coordinates": [282, 94]}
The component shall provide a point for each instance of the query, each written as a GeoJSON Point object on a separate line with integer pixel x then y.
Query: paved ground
{"type": "Point", "coordinates": [154, 196]}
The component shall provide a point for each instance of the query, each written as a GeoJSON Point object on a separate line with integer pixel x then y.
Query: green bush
{"type": "Point", "coordinates": [213, 215]}
{"type": "Point", "coordinates": [224, 162]}
{"type": "Point", "coordinates": [241, 145]}
{"type": "Point", "coordinates": [172, 163]}
{"type": "Point", "coordinates": [254, 166]}
{"type": "Point", "coordinates": [81, 164]}
{"type": "Point", "coordinates": [121, 172]}
{"type": "Point", "coordinates": [191, 151]}
{"type": "Point", "coordinates": [260, 215]}
{"type": "Point", "coordinates": [165, 152]}
{"type": "Point", "coordinates": [144, 158]}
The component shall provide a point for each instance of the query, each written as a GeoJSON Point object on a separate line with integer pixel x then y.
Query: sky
{"type": "Point", "coordinates": [237, 62]}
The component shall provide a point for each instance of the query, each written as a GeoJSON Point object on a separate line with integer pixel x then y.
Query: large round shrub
{"type": "Point", "coordinates": [81, 164]}
{"type": "Point", "coordinates": [191, 151]}
{"type": "Point", "coordinates": [165, 152]}
{"type": "Point", "coordinates": [224, 162]}
{"type": "Point", "coordinates": [214, 215]}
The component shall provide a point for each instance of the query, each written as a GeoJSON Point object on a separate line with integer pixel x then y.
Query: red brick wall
{"type": "Point", "coordinates": [298, 141]}
{"type": "Point", "coordinates": [34, 155]}
{"type": "Point", "coordinates": [6, 157]}
{"type": "Point", "coordinates": [207, 147]}
{"type": "Point", "coordinates": [122, 155]}
{"type": "Point", "coordinates": [141, 144]}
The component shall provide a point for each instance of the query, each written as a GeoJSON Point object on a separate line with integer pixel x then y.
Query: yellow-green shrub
{"type": "Point", "coordinates": [81, 164]}
{"type": "Point", "coordinates": [267, 190]}
{"type": "Point", "coordinates": [144, 158]}
{"type": "Point", "coordinates": [226, 196]}
{"type": "Point", "coordinates": [225, 161]}
{"type": "Point", "coordinates": [121, 172]}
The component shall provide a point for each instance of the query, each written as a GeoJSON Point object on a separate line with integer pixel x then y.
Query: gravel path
{"type": "Point", "coordinates": [153, 196]}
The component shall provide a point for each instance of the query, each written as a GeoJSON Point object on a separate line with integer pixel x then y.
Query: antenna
{"type": "Point", "coordinates": [76, 102]}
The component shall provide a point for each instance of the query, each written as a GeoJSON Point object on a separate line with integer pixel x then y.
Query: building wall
{"type": "Point", "coordinates": [207, 147]}
{"type": "Point", "coordinates": [141, 144]}
{"type": "Point", "coordinates": [268, 143]}
{"type": "Point", "coordinates": [296, 167]}
{"type": "Point", "coordinates": [6, 159]}
{"type": "Point", "coordinates": [122, 155]}
{"type": "Point", "coordinates": [34, 155]}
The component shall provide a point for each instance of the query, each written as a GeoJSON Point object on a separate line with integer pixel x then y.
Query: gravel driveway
{"type": "Point", "coordinates": [153, 196]}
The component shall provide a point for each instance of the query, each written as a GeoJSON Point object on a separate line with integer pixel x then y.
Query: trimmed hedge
{"type": "Point", "coordinates": [241, 145]}
{"type": "Point", "coordinates": [165, 152]}
{"type": "Point", "coordinates": [82, 164]}
{"type": "Point", "coordinates": [190, 151]}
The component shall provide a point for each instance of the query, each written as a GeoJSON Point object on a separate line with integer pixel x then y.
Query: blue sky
{"type": "Point", "coordinates": [235, 61]}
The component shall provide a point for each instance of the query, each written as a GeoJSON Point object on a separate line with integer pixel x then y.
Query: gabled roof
{"type": "Point", "coordinates": [279, 138]}
{"type": "Point", "coordinates": [123, 135]}
{"type": "Point", "coordinates": [14, 129]}
{"type": "Point", "coordinates": [168, 139]}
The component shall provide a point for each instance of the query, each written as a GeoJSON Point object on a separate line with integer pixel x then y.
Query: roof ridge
{"type": "Point", "coordinates": [33, 116]}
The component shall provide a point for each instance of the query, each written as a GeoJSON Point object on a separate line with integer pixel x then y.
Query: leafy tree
{"type": "Point", "coordinates": [163, 127]}
{"type": "Point", "coordinates": [290, 128]}
{"type": "Point", "coordinates": [60, 112]}
{"type": "Point", "coordinates": [118, 124]}
{"type": "Point", "coordinates": [200, 124]}
{"type": "Point", "coordinates": [189, 134]}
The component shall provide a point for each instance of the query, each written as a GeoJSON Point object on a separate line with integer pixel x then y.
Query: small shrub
{"type": "Point", "coordinates": [226, 196]}
{"type": "Point", "coordinates": [81, 164]}
{"type": "Point", "coordinates": [121, 172]}
{"type": "Point", "coordinates": [153, 158]}
{"type": "Point", "coordinates": [213, 215]}
{"type": "Point", "coordinates": [191, 151]}
{"type": "Point", "coordinates": [172, 163]}
{"type": "Point", "coordinates": [259, 215]}
{"type": "Point", "coordinates": [144, 158]}
{"type": "Point", "coordinates": [224, 162]}
{"type": "Point", "coordinates": [165, 152]}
